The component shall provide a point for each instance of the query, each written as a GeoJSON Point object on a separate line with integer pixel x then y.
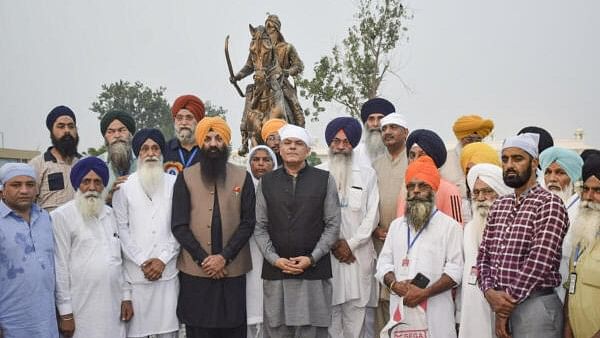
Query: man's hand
{"type": "Point", "coordinates": [287, 266]}
{"type": "Point", "coordinates": [380, 233]}
{"type": "Point", "coordinates": [343, 253]}
{"type": "Point", "coordinates": [502, 327]}
{"type": "Point", "coordinates": [301, 262]}
{"type": "Point", "coordinates": [415, 295]}
{"type": "Point", "coordinates": [120, 180]}
{"type": "Point", "coordinates": [66, 325]}
{"type": "Point", "coordinates": [153, 269]}
{"type": "Point", "coordinates": [214, 266]}
{"type": "Point", "coordinates": [501, 302]}
{"type": "Point", "coordinates": [126, 310]}
{"type": "Point", "coordinates": [401, 287]}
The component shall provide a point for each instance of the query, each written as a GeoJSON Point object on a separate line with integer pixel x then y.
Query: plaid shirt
{"type": "Point", "coordinates": [521, 247]}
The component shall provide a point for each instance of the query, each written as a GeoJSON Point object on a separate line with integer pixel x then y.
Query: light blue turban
{"type": "Point", "coordinates": [10, 170]}
{"type": "Point", "coordinates": [567, 159]}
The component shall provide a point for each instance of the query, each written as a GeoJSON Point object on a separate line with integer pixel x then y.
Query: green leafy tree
{"type": "Point", "coordinates": [313, 160]}
{"type": "Point", "coordinates": [214, 110]}
{"type": "Point", "coordinates": [351, 74]}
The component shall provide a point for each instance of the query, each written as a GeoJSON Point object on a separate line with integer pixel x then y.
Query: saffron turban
{"type": "Point", "coordinates": [545, 140]}
{"type": "Point", "coordinates": [591, 167]}
{"type": "Point", "coordinates": [270, 127]}
{"type": "Point", "coordinates": [216, 124]}
{"type": "Point", "coordinates": [431, 143]}
{"type": "Point", "coordinates": [191, 103]}
{"type": "Point", "coordinates": [125, 118]}
{"type": "Point", "coordinates": [11, 170]}
{"type": "Point", "coordinates": [349, 125]}
{"type": "Point", "coordinates": [293, 131]}
{"type": "Point", "coordinates": [478, 152]}
{"type": "Point", "coordinates": [423, 168]}
{"type": "Point", "coordinates": [528, 142]}
{"type": "Point", "coordinates": [57, 112]}
{"type": "Point", "coordinates": [472, 124]}
{"type": "Point", "coordinates": [394, 118]}
{"type": "Point", "coordinates": [490, 174]}
{"type": "Point", "coordinates": [84, 166]}
{"type": "Point", "coordinates": [567, 159]}
{"type": "Point", "coordinates": [147, 133]}
{"type": "Point", "coordinates": [376, 105]}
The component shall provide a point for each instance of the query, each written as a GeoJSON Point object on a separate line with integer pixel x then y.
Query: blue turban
{"type": "Point", "coordinates": [567, 159]}
{"type": "Point", "coordinates": [56, 113]}
{"type": "Point", "coordinates": [349, 125]}
{"type": "Point", "coordinates": [84, 166]}
{"type": "Point", "coordinates": [147, 133]}
{"type": "Point", "coordinates": [376, 105]}
{"type": "Point", "coordinates": [431, 143]}
{"type": "Point", "coordinates": [10, 170]}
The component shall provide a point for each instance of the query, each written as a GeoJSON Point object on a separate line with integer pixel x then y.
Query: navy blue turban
{"type": "Point", "coordinates": [376, 105]}
{"type": "Point", "coordinates": [147, 133]}
{"type": "Point", "coordinates": [430, 142]}
{"type": "Point", "coordinates": [546, 140]}
{"type": "Point", "coordinates": [57, 112]}
{"type": "Point", "coordinates": [84, 166]}
{"type": "Point", "coordinates": [351, 127]}
{"type": "Point", "coordinates": [591, 167]}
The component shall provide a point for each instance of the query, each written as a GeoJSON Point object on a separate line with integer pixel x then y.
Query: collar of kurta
{"type": "Point", "coordinates": [5, 210]}
{"type": "Point", "coordinates": [48, 157]}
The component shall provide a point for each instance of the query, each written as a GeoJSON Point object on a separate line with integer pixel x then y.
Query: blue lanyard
{"type": "Point", "coordinates": [408, 241]}
{"type": "Point", "coordinates": [578, 253]}
{"type": "Point", "coordinates": [572, 203]}
{"type": "Point", "coordinates": [189, 161]}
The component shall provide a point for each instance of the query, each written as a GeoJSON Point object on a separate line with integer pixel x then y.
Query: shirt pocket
{"type": "Point", "coordinates": [355, 198]}
{"type": "Point", "coordinates": [56, 181]}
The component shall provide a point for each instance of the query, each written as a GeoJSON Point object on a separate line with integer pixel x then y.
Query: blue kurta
{"type": "Point", "coordinates": [26, 275]}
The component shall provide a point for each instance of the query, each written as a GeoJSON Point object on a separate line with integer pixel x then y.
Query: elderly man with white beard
{"type": "Point", "coordinates": [92, 297]}
{"type": "Point", "coordinates": [353, 260]}
{"type": "Point", "coordinates": [562, 170]}
{"type": "Point", "coordinates": [486, 184]}
{"type": "Point", "coordinates": [582, 314]}
{"type": "Point", "coordinates": [143, 210]}
{"type": "Point", "coordinates": [371, 113]}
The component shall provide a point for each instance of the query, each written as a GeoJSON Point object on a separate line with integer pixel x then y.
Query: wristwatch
{"type": "Point", "coordinates": [312, 261]}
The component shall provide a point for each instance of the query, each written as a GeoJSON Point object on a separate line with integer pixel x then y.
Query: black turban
{"type": "Point", "coordinates": [125, 118]}
{"type": "Point", "coordinates": [57, 112]}
{"type": "Point", "coordinates": [351, 127]}
{"type": "Point", "coordinates": [83, 166]}
{"type": "Point", "coordinates": [589, 152]}
{"type": "Point", "coordinates": [147, 133]}
{"type": "Point", "coordinates": [591, 167]}
{"type": "Point", "coordinates": [376, 105]}
{"type": "Point", "coordinates": [545, 141]}
{"type": "Point", "coordinates": [430, 142]}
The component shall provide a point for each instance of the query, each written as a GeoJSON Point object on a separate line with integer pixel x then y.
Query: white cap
{"type": "Point", "coordinates": [394, 118]}
{"type": "Point", "coordinates": [526, 141]}
{"type": "Point", "coordinates": [293, 131]}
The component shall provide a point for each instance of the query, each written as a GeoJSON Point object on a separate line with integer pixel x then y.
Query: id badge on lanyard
{"type": "Point", "coordinates": [573, 275]}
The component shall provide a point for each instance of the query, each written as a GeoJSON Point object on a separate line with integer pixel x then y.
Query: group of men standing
{"type": "Point", "coordinates": [393, 236]}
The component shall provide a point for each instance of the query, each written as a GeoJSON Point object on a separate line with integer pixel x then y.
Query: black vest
{"type": "Point", "coordinates": [296, 219]}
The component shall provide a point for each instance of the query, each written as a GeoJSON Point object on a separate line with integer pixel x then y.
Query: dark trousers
{"type": "Point", "coordinates": [203, 332]}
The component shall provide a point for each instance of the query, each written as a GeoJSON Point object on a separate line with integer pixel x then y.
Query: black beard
{"type": "Point", "coordinates": [66, 145]}
{"type": "Point", "coordinates": [213, 162]}
{"type": "Point", "coordinates": [519, 180]}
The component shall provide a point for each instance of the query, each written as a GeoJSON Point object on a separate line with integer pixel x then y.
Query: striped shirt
{"type": "Point", "coordinates": [521, 247]}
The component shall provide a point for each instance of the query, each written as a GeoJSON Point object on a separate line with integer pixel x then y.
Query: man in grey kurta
{"type": "Point", "coordinates": [297, 222]}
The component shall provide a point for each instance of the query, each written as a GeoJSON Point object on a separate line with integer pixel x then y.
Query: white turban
{"type": "Point", "coordinates": [394, 118]}
{"type": "Point", "coordinates": [293, 131]}
{"type": "Point", "coordinates": [527, 141]}
{"type": "Point", "coordinates": [490, 174]}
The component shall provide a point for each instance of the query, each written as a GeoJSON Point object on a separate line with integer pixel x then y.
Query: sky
{"type": "Point", "coordinates": [519, 63]}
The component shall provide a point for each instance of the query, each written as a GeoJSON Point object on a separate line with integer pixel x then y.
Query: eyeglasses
{"type": "Point", "coordinates": [180, 118]}
{"type": "Point", "coordinates": [486, 192]}
{"type": "Point", "coordinates": [472, 138]}
{"type": "Point", "coordinates": [586, 189]}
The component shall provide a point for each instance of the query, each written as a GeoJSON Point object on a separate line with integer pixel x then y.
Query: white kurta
{"type": "Point", "coordinates": [362, 157]}
{"type": "Point", "coordinates": [145, 228]}
{"type": "Point", "coordinates": [572, 206]}
{"type": "Point", "coordinates": [360, 215]}
{"type": "Point", "coordinates": [89, 272]}
{"type": "Point", "coordinates": [476, 317]}
{"type": "Point", "coordinates": [437, 251]}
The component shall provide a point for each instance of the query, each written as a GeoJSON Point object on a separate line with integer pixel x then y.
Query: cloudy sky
{"type": "Point", "coordinates": [520, 63]}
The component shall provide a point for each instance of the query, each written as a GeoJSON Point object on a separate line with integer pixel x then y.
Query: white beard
{"type": "Point", "coordinates": [374, 143]}
{"type": "Point", "coordinates": [480, 212]}
{"type": "Point", "coordinates": [564, 194]}
{"type": "Point", "coordinates": [586, 229]}
{"type": "Point", "coordinates": [90, 204]}
{"type": "Point", "coordinates": [151, 174]}
{"type": "Point", "coordinates": [340, 167]}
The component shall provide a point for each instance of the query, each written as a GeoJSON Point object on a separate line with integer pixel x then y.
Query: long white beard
{"type": "Point", "coordinates": [480, 212]}
{"type": "Point", "coordinates": [90, 204]}
{"type": "Point", "coordinates": [586, 228]}
{"type": "Point", "coordinates": [374, 143]}
{"type": "Point", "coordinates": [185, 135]}
{"type": "Point", "coordinates": [151, 174]}
{"type": "Point", "coordinates": [564, 194]}
{"type": "Point", "coordinates": [340, 167]}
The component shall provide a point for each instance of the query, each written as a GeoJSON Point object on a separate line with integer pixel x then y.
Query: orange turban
{"type": "Point", "coordinates": [270, 127]}
{"type": "Point", "coordinates": [478, 152]}
{"type": "Point", "coordinates": [191, 103]}
{"type": "Point", "coordinates": [424, 169]}
{"type": "Point", "coordinates": [216, 124]}
{"type": "Point", "coordinates": [472, 124]}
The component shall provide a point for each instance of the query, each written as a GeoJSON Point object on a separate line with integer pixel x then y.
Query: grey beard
{"type": "Point", "coordinates": [185, 135]}
{"type": "Point", "coordinates": [418, 212]}
{"type": "Point", "coordinates": [340, 167]}
{"type": "Point", "coordinates": [119, 155]}
{"type": "Point", "coordinates": [374, 143]}
{"type": "Point", "coordinates": [564, 194]}
{"type": "Point", "coordinates": [586, 228]}
{"type": "Point", "coordinates": [89, 204]}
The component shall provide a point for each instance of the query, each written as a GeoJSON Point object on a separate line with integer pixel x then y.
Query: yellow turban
{"type": "Point", "coordinates": [216, 124]}
{"type": "Point", "coordinates": [472, 124]}
{"type": "Point", "coordinates": [479, 152]}
{"type": "Point", "coordinates": [270, 127]}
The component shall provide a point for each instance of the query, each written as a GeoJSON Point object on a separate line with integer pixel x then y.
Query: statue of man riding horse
{"type": "Point", "coordinates": [272, 95]}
